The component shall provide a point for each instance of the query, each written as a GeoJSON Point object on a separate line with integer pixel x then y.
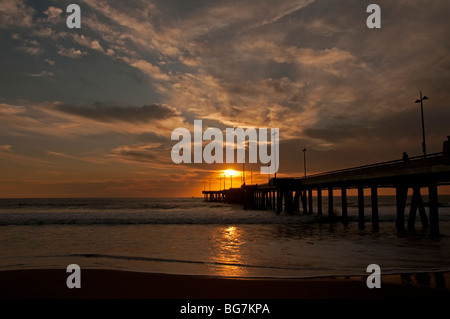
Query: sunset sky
{"type": "Point", "coordinates": [89, 112]}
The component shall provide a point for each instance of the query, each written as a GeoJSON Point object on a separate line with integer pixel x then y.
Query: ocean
{"type": "Point", "coordinates": [194, 237]}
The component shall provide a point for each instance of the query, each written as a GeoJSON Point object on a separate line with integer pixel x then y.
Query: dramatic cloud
{"type": "Point", "coordinates": [31, 47]}
{"type": "Point", "coordinates": [85, 41]}
{"type": "Point", "coordinates": [53, 13]}
{"type": "Point", "coordinates": [108, 113]}
{"type": "Point", "coordinates": [148, 69]}
{"type": "Point", "coordinates": [71, 53]}
{"type": "Point", "coordinates": [141, 152]}
{"type": "Point", "coordinates": [15, 13]}
{"type": "Point", "coordinates": [311, 68]}
{"type": "Point", "coordinates": [68, 121]}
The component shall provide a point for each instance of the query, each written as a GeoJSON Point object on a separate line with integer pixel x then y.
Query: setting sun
{"type": "Point", "coordinates": [230, 172]}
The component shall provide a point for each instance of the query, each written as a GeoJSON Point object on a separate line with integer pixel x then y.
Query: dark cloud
{"type": "Point", "coordinates": [140, 156]}
{"type": "Point", "coordinates": [109, 113]}
{"type": "Point", "coordinates": [329, 134]}
{"type": "Point", "coordinates": [142, 153]}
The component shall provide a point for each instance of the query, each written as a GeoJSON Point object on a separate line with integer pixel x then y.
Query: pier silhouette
{"type": "Point", "coordinates": [295, 194]}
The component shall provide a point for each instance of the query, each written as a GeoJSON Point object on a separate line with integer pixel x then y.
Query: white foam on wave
{"type": "Point", "coordinates": [165, 211]}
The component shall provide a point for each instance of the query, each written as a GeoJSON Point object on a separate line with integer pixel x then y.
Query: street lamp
{"type": "Point", "coordinates": [424, 147]}
{"type": "Point", "coordinates": [304, 160]}
{"type": "Point", "coordinates": [275, 156]}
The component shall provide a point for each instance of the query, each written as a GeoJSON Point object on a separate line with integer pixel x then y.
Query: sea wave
{"type": "Point", "coordinates": [175, 218]}
{"type": "Point", "coordinates": [295, 271]}
{"type": "Point", "coordinates": [156, 218]}
{"type": "Point", "coordinates": [170, 211]}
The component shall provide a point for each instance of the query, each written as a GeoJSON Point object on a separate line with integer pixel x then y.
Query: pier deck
{"type": "Point", "coordinates": [291, 194]}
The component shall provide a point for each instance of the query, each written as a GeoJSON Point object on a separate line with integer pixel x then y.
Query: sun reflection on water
{"type": "Point", "coordinates": [228, 250]}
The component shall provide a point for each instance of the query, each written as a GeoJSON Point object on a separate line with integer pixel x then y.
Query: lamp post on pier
{"type": "Point", "coordinates": [424, 146]}
{"type": "Point", "coordinates": [275, 157]}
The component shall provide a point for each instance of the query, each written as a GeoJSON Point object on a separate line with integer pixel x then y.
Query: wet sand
{"type": "Point", "coordinates": [116, 284]}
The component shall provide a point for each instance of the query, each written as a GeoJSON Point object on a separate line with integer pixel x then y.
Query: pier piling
{"type": "Point", "coordinates": [434, 218]}
{"type": "Point", "coordinates": [374, 201]}
{"type": "Point", "coordinates": [319, 201]}
{"type": "Point", "coordinates": [330, 202]}
{"type": "Point", "coordinates": [401, 195]}
{"type": "Point", "coordinates": [361, 218]}
{"type": "Point", "coordinates": [344, 206]}
{"type": "Point", "coordinates": [310, 201]}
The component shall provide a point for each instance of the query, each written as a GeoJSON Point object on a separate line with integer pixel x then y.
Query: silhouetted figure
{"type": "Point", "coordinates": [405, 157]}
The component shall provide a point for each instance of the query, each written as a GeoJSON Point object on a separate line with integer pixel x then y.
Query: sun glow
{"type": "Point", "coordinates": [230, 172]}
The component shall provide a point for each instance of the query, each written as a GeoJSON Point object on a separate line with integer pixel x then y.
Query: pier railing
{"type": "Point", "coordinates": [398, 161]}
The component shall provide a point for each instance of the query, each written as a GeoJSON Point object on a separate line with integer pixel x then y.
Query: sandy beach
{"type": "Point", "coordinates": [115, 284]}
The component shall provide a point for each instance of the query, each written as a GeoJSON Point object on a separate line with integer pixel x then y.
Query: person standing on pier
{"type": "Point", "coordinates": [405, 157]}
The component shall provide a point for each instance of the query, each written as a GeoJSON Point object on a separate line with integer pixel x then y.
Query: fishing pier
{"type": "Point", "coordinates": [294, 195]}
